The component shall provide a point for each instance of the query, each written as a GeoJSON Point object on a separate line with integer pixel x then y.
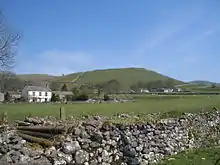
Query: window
{"type": "Point", "coordinates": [45, 93]}
{"type": "Point", "coordinates": [33, 93]}
{"type": "Point", "coordinates": [39, 93]}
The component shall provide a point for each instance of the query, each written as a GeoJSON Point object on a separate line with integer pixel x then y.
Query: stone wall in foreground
{"type": "Point", "coordinates": [96, 141]}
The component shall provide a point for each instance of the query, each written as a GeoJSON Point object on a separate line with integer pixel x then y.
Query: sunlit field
{"type": "Point", "coordinates": [143, 104]}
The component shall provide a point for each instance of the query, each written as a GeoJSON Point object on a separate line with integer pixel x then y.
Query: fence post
{"type": "Point", "coordinates": [62, 114]}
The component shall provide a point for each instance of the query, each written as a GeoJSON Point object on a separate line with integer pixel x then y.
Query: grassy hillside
{"type": "Point", "coordinates": [126, 76]}
{"type": "Point", "coordinates": [36, 77]}
{"type": "Point", "coordinates": [200, 87]}
{"type": "Point", "coordinates": [201, 82]}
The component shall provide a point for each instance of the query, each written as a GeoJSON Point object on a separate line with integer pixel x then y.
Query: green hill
{"type": "Point", "coordinates": [36, 77]}
{"type": "Point", "coordinates": [125, 76]}
{"type": "Point", "coordinates": [201, 86]}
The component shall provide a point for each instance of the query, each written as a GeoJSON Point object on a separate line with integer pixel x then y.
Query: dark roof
{"type": "Point", "coordinates": [37, 88]}
{"type": "Point", "coordinates": [63, 92]}
{"type": "Point", "coordinates": [14, 93]}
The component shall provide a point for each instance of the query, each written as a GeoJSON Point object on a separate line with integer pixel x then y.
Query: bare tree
{"type": "Point", "coordinates": [8, 47]}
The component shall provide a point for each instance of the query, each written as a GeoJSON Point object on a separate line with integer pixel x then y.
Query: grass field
{"type": "Point", "coordinates": [207, 156]}
{"type": "Point", "coordinates": [143, 105]}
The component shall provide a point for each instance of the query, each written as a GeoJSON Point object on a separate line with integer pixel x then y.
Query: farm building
{"type": "Point", "coordinates": [14, 95]}
{"type": "Point", "coordinates": [36, 94]}
{"type": "Point", "coordinates": [142, 90]}
{"type": "Point", "coordinates": [178, 90]}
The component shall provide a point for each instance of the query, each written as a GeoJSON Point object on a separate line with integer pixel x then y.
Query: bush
{"type": "Point", "coordinates": [54, 97]}
{"type": "Point", "coordinates": [7, 97]}
{"type": "Point", "coordinates": [82, 97]}
{"type": "Point", "coordinates": [21, 99]}
{"type": "Point", "coordinates": [106, 97]}
{"type": "Point", "coordinates": [69, 98]}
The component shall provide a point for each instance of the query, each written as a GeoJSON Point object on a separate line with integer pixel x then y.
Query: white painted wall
{"type": "Point", "coordinates": [145, 90]}
{"type": "Point", "coordinates": [38, 96]}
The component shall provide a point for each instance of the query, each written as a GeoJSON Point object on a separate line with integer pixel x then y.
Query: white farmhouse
{"type": "Point", "coordinates": [144, 90]}
{"type": "Point", "coordinates": [166, 90]}
{"type": "Point", "coordinates": [36, 94]}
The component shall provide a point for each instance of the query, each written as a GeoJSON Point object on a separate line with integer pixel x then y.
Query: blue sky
{"type": "Point", "coordinates": [177, 38]}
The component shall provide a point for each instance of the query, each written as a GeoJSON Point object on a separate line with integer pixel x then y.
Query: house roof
{"type": "Point", "coordinates": [63, 92]}
{"type": "Point", "coordinates": [14, 92]}
{"type": "Point", "coordinates": [37, 88]}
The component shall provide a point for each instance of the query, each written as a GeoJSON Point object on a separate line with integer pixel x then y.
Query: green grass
{"type": "Point", "coordinates": [190, 86]}
{"type": "Point", "coordinates": [143, 105]}
{"type": "Point", "coordinates": [208, 156]}
{"type": "Point", "coordinates": [126, 76]}
{"type": "Point", "coordinates": [34, 77]}
{"type": "Point", "coordinates": [200, 88]}
{"type": "Point", "coordinates": [208, 89]}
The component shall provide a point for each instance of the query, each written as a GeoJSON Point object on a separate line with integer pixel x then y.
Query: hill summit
{"type": "Point", "coordinates": [125, 76]}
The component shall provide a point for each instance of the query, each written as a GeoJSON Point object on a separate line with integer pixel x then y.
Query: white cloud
{"type": "Point", "coordinates": [56, 62]}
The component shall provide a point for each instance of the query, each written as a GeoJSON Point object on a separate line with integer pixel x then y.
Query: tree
{"type": "Point", "coordinates": [7, 97]}
{"type": "Point", "coordinates": [5, 76]}
{"type": "Point", "coordinates": [8, 48]}
{"type": "Point", "coordinates": [82, 97]}
{"type": "Point", "coordinates": [134, 87]}
{"type": "Point", "coordinates": [75, 91]}
{"type": "Point", "coordinates": [213, 85]}
{"type": "Point", "coordinates": [137, 86]}
{"type": "Point", "coordinates": [99, 88]}
{"type": "Point", "coordinates": [54, 97]}
{"type": "Point", "coordinates": [141, 84]}
{"type": "Point", "coordinates": [112, 86]}
{"type": "Point", "coordinates": [10, 82]}
{"type": "Point", "coordinates": [106, 97]}
{"type": "Point", "coordinates": [8, 45]}
{"type": "Point", "coordinates": [64, 88]}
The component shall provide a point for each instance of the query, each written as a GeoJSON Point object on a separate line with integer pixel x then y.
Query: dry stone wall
{"type": "Point", "coordinates": [97, 141]}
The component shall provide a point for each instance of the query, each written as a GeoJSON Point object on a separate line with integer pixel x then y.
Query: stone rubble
{"type": "Point", "coordinates": [96, 141]}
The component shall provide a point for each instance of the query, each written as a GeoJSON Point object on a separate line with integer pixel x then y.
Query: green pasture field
{"type": "Point", "coordinates": [207, 156]}
{"type": "Point", "coordinates": [143, 105]}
